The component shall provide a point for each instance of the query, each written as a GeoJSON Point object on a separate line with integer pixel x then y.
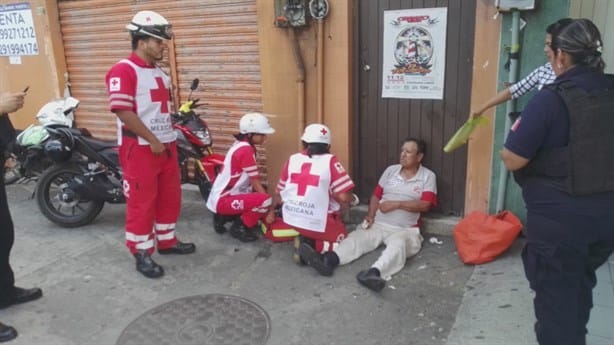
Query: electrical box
{"type": "Point", "coordinates": [508, 5]}
{"type": "Point", "coordinates": [290, 13]}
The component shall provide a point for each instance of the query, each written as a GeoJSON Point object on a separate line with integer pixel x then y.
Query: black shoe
{"type": "Point", "coordinates": [21, 295]}
{"type": "Point", "coordinates": [180, 248]}
{"type": "Point", "coordinates": [219, 222]}
{"type": "Point", "coordinates": [371, 279]}
{"type": "Point", "coordinates": [146, 265]}
{"type": "Point", "coordinates": [315, 259]}
{"type": "Point", "coordinates": [296, 257]}
{"type": "Point", "coordinates": [7, 333]}
{"type": "Point", "coordinates": [239, 231]}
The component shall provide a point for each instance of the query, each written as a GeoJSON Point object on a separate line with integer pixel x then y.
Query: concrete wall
{"type": "Point", "coordinates": [280, 89]}
{"type": "Point", "coordinates": [485, 70]}
{"type": "Point", "coordinates": [601, 13]}
{"type": "Point", "coordinates": [44, 73]}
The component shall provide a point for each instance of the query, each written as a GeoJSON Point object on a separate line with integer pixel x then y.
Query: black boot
{"type": "Point", "coordinates": [219, 222]}
{"type": "Point", "coordinates": [371, 279]}
{"type": "Point", "coordinates": [296, 257]}
{"type": "Point", "coordinates": [239, 231]}
{"type": "Point", "coordinates": [146, 265]}
{"type": "Point", "coordinates": [7, 333]}
{"type": "Point", "coordinates": [315, 260]}
{"type": "Point", "coordinates": [180, 248]}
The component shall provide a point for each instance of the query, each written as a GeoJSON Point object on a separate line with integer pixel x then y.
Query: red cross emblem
{"type": "Point", "coordinates": [304, 179]}
{"type": "Point", "coordinates": [323, 131]}
{"type": "Point", "coordinates": [148, 19]}
{"type": "Point", "coordinates": [161, 94]}
{"type": "Point", "coordinates": [114, 82]}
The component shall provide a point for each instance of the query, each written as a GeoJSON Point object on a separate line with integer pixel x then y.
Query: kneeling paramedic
{"type": "Point", "coordinates": [313, 188]}
{"type": "Point", "coordinates": [237, 195]}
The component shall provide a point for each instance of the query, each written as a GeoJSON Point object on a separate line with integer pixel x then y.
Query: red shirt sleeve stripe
{"type": "Point", "coordinates": [378, 191]}
{"type": "Point", "coordinates": [430, 197]}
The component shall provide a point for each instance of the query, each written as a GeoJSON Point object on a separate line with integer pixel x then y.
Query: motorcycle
{"type": "Point", "coordinates": [86, 172]}
{"type": "Point", "coordinates": [199, 164]}
{"type": "Point", "coordinates": [27, 159]}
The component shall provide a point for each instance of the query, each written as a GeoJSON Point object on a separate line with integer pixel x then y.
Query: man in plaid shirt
{"type": "Point", "coordinates": [541, 76]}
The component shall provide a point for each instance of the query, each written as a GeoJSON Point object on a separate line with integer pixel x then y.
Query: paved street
{"type": "Point", "coordinates": [92, 291]}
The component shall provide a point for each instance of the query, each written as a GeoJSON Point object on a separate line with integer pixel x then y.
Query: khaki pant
{"type": "Point", "coordinates": [401, 243]}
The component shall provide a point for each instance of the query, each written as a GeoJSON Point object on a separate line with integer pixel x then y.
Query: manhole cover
{"type": "Point", "coordinates": [205, 319]}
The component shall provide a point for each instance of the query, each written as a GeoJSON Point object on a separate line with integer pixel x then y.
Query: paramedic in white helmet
{"type": "Point", "coordinates": [237, 195]}
{"type": "Point", "coordinates": [139, 94]}
{"type": "Point", "coordinates": [313, 188]}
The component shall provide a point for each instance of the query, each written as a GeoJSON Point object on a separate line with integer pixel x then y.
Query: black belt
{"type": "Point", "coordinates": [128, 133]}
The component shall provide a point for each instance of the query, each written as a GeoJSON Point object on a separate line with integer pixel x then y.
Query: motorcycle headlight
{"type": "Point", "coordinates": [204, 136]}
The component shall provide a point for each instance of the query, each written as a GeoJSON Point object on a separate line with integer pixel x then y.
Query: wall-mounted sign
{"type": "Point", "coordinates": [17, 34]}
{"type": "Point", "coordinates": [414, 59]}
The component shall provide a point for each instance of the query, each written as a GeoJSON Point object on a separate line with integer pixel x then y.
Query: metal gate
{"type": "Point", "coordinates": [215, 41]}
{"type": "Point", "coordinates": [380, 124]}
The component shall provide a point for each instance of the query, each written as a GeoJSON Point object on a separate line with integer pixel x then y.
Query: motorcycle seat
{"type": "Point", "coordinates": [99, 145]}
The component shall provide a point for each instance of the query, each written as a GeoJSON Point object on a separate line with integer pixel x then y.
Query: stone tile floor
{"type": "Point", "coordinates": [601, 324]}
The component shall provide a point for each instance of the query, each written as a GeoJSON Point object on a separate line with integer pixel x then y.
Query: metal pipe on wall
{"type": "Point", "coordinates": [320, 72]}
{"type": "Point", "coordinates": [300, 82]}
{"type": "Point", "coordinates": [172, 61]}
{"type": "Point", "coordinates": [510, 106]}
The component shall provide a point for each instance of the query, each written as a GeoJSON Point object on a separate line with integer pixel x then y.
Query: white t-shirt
{"type": "Point", "coordinates": [423, 186]}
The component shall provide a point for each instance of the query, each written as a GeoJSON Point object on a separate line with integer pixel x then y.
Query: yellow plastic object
{"type": "Point", "coordinates": [462, 134]}
{"type": "Point", "coordinates": [186, 107]}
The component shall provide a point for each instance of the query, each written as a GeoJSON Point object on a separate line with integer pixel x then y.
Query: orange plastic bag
{"type": "Point", "coordinates": [480, 237]}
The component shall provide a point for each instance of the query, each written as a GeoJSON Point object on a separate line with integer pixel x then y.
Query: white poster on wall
{"type": "Point", "coordinates": [414, 60]}
{"type": "Point", "coordinates": [17, 34]}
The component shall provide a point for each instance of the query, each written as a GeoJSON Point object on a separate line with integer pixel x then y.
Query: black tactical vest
{"type": "Point", "coordinates": [586, 165]}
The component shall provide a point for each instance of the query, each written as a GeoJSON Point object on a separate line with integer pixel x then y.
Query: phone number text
{"type": "Point", "coordinates": [13, 49]}
{"type": "Point", "coordinates": [17, 33]}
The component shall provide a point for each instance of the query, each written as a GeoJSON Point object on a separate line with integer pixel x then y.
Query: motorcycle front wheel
{"type": "Point", "coordinates": [59, 203]}
{"type": "Point", "coordinates": [204, 186]}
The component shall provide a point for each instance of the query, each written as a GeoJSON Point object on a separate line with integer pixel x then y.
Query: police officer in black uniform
{"type": "Point", "coordinates": [561, 150]}
{"type": "Point", "coordinates": [9, 293]}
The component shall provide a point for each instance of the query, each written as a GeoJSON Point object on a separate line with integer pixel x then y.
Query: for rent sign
{"type": "Point", "coordinates": [17, 34]}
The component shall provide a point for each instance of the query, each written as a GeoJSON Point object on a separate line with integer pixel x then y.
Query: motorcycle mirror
{"type": "Point", "coordinates": [194, 84]}
{"type": "Point", "coordinates": [193, 87]}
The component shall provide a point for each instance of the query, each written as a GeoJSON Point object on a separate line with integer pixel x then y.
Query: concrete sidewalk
{"type": "Point", "coordinates": [497, 307]}
{"type": "Point", "coordinates": [92, 291]}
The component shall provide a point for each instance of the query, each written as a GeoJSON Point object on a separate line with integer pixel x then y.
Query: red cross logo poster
{"type": "Point", "coordinates": [414, 53]}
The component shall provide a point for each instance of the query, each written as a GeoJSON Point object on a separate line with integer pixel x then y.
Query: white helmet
{"type": "Point", "coordinates": [316, 133]}
{"type": "Point", "coordinates": [255, 123]}
{"type": "Point", "coordinates": [152, 24]}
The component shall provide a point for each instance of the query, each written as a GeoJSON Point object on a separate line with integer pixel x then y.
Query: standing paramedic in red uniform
{"type": "Point", "coordinates": [237, 194]}
{"type": "Point", "coordinates": [313, 185]}
{"type": "Point", "coordinates": [139, 93]}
